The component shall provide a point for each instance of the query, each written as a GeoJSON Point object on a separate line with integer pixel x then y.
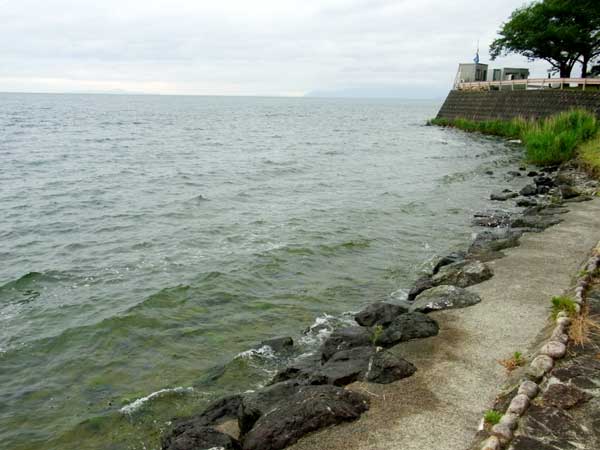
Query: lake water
{"type": "Point", "coordinates": [148, 242]}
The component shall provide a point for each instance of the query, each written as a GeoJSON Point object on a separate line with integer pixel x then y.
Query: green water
{"type": "Point", "coordinates": [147, 242]}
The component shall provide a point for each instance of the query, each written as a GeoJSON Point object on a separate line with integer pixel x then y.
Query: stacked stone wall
{"type": "Point", "coordinates": [490, 105]}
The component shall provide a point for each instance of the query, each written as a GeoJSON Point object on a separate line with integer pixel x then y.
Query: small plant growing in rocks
{"type": "Point", "coordinates": [512, 363]}
{"type": "Point", "coordinates": [492, 417]}
{"type": "Point", "coordinates": [563, 304]}
{"type": "Point", "coordinates": [377, 332]}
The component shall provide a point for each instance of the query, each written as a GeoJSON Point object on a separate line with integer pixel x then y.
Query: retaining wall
{"type": "Point", "coordinates": [489, 105]}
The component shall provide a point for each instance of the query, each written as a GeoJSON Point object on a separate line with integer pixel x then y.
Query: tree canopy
{"type": "Point", "coordinates": [561, 32]}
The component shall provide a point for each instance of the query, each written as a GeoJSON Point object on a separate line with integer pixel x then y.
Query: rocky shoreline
{"type": "Point", "coordinates": [309, 393]}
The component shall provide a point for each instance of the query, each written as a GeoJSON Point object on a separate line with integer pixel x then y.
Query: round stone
{"type": "Point", "coordinates": [502, 432]}
{"type": "Point", "coordinates": [491, 443]}
{"type": "Point", "coordinates": [554, 349]}
{"type": "Point", "coordinates": [518, 404]}
{"type": "Point", "coordinates": [529, 388]}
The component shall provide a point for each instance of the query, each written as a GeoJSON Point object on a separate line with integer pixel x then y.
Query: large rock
{"type": "Point", "coordinates": [503, 196]}
{"type": "Point", "coordinates": [494, 240]}
{"type": "Point", "coordinates": [345, 339]}
{"type": "Point", "coordinates": [423, 283]}
{"type": "Point", "coordinates": [528, 190]}
{"type": "Point", "coordinates": [413, 325]}
{"type": "Point", "coordinates": [451, 258]}
{"type": "Point", "coordinates": [200, 438]}
{"type": "Point", "coordinates": [379, 313]}
{"type": "Point", "coordinates": [543, 181]}
{"type": "Point", "coordinates": [306, 368]}
{"type": "Point", "coordinates": [463, 274]}
{"type": "Point", "coordinates": [569, 192]}
{"type": "Point", "coordinates": [386, 367]}
{"type": "Point", "coordinates": [493, 218]}
{"type": "Point", "coordinates": [310, 409]}
{"type": "Point", "coordinates": [535, 222]}
{"type": "Point", "coordinates": [445, 297]}
{"type": "Point", "coordinates": [255, 404]}
{"type": "Point", "coordinates": [216, 413]}
{"type": "Point", "coordinates": [347, 366]}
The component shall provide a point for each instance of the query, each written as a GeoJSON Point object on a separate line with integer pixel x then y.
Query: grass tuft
{"type": "Point", "coordinates": [589, 156]}
{"type": "Point", "coordinates": [582, 327]}
{"type": "Point", "coordinates": [492, 416]}
{"type": "Point", "coordinates": [563, 304]}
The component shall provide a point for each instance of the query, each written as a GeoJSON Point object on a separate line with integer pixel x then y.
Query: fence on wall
{"type": "Point", "coordinates": [530, 83]}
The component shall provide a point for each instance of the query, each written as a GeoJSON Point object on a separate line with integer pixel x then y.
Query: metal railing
{"type": "Point", "coordinates": [530, 83]}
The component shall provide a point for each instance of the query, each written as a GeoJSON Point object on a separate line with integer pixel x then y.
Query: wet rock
{"type": "Point", "coordinates": [379, 313]}
{"type": "Point", "coordinates": [543, 181]}
{"type": "Point", "coordinates": [445, 297]}
{"type": "Point", "coordinates": [310, 409]}
{"type": "Point", "coordinates": [532, 173]}
{"type": "Point", "coordinates": [525, 202]}
{"type": "Point", "coordinates": [216, 413]}
{"type": "Point", "coordinates": [568, 192]}
{"type": "Point", "coordinates": [463, 274]}
{"type": "Point", "coordinates": [305, 368]}
{"type": "Point", "coordinates": [564, 396]}
{"type": "Point", "coordinates": [528, 190]}
{"type": "Point", "coordinates": [279, 344]}
{"type": "Point", "coordinates": [345, 339]}
{"type": "Point", "coordinates": [448, 259]}
{"type": "Point", "coordinates": [513, 173]}
{"type": "Point", "coordinates": [256, 404]}
{"type": "Point", "coordinates": [489, 172]}
{"type": "Point", "coordinates": [347, 366]}
{"type": "Point", "coordinates": [503, 196]}
{"type": "Point", "coordinates": [542, 190]}
{"type": "Point", "coordinates": [493, 218]}
{"type": "Point", "coordinates": [423, 283]}
{"type": "Point", "coordinates": [413, 325]}
{"type": "Point", "coordinates": [536, 222]}
{"type": "Point", "coordinates": [386, 368]}
{"type": "Point", "coordinates": [494, 240]}
{"type": "Point", "coordinates": [200, 438]}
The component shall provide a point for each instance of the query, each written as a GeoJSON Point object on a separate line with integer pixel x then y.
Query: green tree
{"type": "Point", "coordinates": [561, 32]}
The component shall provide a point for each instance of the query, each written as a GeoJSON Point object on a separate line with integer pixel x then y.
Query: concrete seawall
{"type": "Point", "coordinates": [490, 105]}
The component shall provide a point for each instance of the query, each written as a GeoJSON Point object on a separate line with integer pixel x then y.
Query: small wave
{"type": "Point", "coordinates": [137, 404]}
{"type": "Point", "coordinates": [324, 325]}
{"type": "Point", "coordinates": [264, 352]}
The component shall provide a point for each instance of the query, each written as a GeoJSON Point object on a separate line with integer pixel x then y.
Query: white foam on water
{"type": "Point", "coordinates": [135, 405]}
{"type": "Point", "coordinates": [262, 352]}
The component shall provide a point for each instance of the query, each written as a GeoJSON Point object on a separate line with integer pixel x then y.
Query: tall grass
{"type": "Point", "coordinates": [554, 140]}
{"type": "Point", "coordinates": [589, 156]}
{"type": "Point", "coordinates": [549, 141]}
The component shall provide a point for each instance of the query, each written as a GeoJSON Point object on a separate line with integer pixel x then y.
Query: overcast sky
{"type": "Point", "coordinates": [245, 47]}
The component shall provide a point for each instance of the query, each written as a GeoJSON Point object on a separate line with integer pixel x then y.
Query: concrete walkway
{"type": "Point", "coordinates": [458, 375]}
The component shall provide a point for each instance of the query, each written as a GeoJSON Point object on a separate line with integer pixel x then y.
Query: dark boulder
{"type": "Point", "coordinates": [279, 344]}
{"type": "Point", "coordinates": [493, 218]}
{"type": "Point", "coordinates": [463, 274]}
{"type": "Point", "coordinates": [216, 413]}
{"type": "Point", "coordinates": [310, 409]}
{"type": "Point", "coordinates": [413, 325]}
{"type": "Point", "coordinates": [306, 369]}
{"type": "Point", "coordinates": [494, 241]}
{"type": "Point", "coordinates": [542, 190]}
{"type": "Point", "coordinates": [503, 196]}
{"type": "Point", "coordinates": [448, 259]}
{"type": "Point", "coordinates": [379, 313]}
{"type": "Point", "coordinates": [386, 368]}
{"type": "Point", "coordinates": [528, 190]}
{"type": "Point", "coordinates": [532, 173]}
{"type": "Point", "coordinates": [347, 366]}
{"type": "Point", "coordinates": [525, 202]}
{"type": "Point", "coordinates": [200, 438]}
{"type": "Point", "coordinates": [445, 297]}
{"type": "Point", "coordinates": [345, 339]}
{"type": "Point", "coordinates": [255, 404]}
{"type": "Point", "coordinates": [543, 181]}
{"type": "Point", "coordinates": [423, 283]}
{"type": "Point", "coordinates": [568, 192]}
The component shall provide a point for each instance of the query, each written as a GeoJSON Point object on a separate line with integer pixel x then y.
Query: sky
{"type": "Point", "coordinates": [398, 48]}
